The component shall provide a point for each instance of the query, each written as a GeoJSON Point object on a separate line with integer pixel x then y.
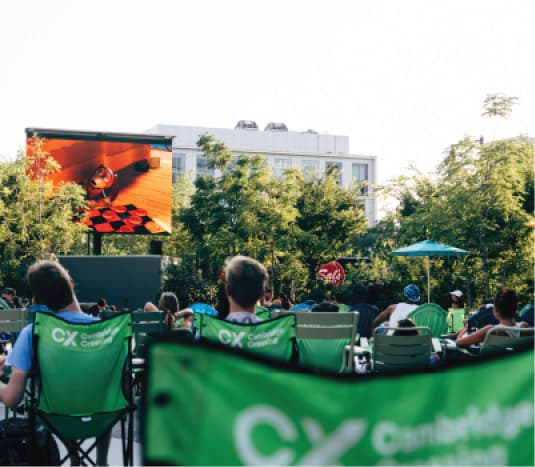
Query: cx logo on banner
{"type": "Point", "coordinates": [326, 447]}
{"type": "Point", "coordinates": [234, 339]}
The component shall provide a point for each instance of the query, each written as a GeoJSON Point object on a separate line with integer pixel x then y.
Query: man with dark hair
{"type": "Point", "coordinates": [246, 280]}
{"type": "Point", "coordinates": [50, 285]}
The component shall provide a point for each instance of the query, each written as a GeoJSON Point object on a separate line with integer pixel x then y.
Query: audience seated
{"type": "Point", "coordinates": [245, 283]}
{"type": "Point", "coordinates": [396, 312]}
{"type": "Point", "coordinates": [505, 305]}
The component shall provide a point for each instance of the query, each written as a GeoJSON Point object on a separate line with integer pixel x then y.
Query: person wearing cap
{"type": "Point", "coordinates": [456, 297]}
{"type": "Point", "coordinates": [396, 312]}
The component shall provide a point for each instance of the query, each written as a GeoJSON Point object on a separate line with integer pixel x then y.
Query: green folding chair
{"type": "Point", "coordinates": [401, 352]}
{"type": "Point", "coordinates": [455, 319]}
{"type": "Point", "coordinates": [207, 405]}
{"type": "Point", "coordinates": [432, 316]}
{"type": "Point", "coordinates": [274, 338]}
{"type": "Point", "coordinates": [81, 384]}
{"type": "Point", "coordinates": [326, 340]}
{"type": "Point", "coordinates": [496, 341]}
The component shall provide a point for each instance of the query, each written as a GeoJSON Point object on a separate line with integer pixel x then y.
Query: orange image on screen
{"type": "Point", "coordinates": [128, 185]}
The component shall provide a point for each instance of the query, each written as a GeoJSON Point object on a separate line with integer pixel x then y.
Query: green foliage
{"type": "Point", "coordinates": [36, 219]}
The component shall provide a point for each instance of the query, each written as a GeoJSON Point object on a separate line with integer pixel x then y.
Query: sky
{"type": "Point", "coordinates": [403, 79]}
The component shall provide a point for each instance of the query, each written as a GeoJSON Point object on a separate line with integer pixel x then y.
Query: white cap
{"type": "Point", "coordinates": [457, 293]}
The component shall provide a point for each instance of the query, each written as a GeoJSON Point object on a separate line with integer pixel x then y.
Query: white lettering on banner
{"type": "Point", "coordinates": [64, 337]}
{"type": "Point", "coordinates": [266, 415]}
{"type": "Point", "coordinates": [326, 449]}
{"type": "Point", "coordinates": [264, 339]}
{"type": "Point", "coordinates": [68, 338]}
{"type": "Point", "coordinates": [389, 438]}
{"type": "Point", "coordinates": [229, 337]}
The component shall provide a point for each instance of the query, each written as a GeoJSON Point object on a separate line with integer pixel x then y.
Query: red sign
{"type": "Point", "coordinates": [332, 272]}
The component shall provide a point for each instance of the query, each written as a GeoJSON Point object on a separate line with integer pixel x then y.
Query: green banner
{"type": "Point", "coordinates": [273, 338]}
{"type": "Point", "coordinates": [232, 410]}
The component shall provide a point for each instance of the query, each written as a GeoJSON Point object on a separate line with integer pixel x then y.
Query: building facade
{"type": "Point", "coordinates": [309, 151]}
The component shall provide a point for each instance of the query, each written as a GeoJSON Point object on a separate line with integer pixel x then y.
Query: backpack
{"type": "Point", "coordinates": [14, 441]}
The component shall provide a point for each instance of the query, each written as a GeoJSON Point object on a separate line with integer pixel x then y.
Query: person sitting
{"type": "Point", "coordinates": [9, 298]}
{"type": "Point", "coordinates": [396, 312]}
{"type": "Point", "coordinates": [505, 305]}
{"type": "Point", "coordinates": [50, 285]}
{"type": "Point", "coordinates": [245, 282]}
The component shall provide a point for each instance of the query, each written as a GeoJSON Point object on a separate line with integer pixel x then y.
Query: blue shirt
{"type": "Point", "coordinates": [21, 355]}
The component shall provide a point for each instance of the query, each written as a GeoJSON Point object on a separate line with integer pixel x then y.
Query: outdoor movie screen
{"type": "Point", "coordinates": [126, 177]}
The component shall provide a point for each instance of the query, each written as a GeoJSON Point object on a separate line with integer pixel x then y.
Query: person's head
{"type": "Point", "coordinates": [325, 307]}
{"type": "Point", "coordinates": [456, 296]}
{"type": "Point", "coordinates": [403, 328]}
{"type": "Point", "coordinates": [246, 279]}
{"type": "Point", "coordinates": [169, 305]}
{"type": "Point", "coordinates": [9, 294]}
{"type": "Point", "coordinates": [168, 302]}
{"type": "Point", "coordinates": [505, 303]}
{"type": "Point", "coordinates": [50, 285]}
{"type": "Point", "coordinates": [411, 293]}
{"type": "Point", "coordinates": [102, 303]}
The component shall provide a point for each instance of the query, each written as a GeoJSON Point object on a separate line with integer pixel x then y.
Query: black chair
{"type": "Point", "coordinates": [483, 316]}
{"type": "Point", "coordinates": [367, 315]}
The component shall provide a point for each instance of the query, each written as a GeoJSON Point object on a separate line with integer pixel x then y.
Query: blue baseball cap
{"type": "Point", "coordinates": [412, 293]}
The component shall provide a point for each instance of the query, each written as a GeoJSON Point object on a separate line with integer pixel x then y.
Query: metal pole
{"type": "Point", "coordinates": [428, 282]}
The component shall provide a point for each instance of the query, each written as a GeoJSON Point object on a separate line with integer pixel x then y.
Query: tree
{"type": "Point", "coordinates": [37, 220]}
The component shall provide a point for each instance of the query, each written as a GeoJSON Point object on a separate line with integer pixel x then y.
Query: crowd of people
{"type": "Point", "coordinates": [243, 288]}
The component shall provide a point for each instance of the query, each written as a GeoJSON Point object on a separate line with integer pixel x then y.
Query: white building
{"type": "Point", "coordinates": [309, 151]}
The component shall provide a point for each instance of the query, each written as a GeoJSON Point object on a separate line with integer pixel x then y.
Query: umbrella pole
{"type": "Point", "coordinates": [428, 282]}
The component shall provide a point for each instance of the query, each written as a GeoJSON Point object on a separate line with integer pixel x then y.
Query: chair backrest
{"type": "Point", "coordinates": [14, 319]}
{"type": "Point", "coordinates": [323, 336]}
{"type": "Point", "coordinates": [146, 324]}
{"type": "Point", "coordinates": [455, 319]}
{"type": "Point", "coordinates": [496, 341]}
{"type": "Point", "coordinates": [526, 314]}
{"type": "Point", "coordinates": [273, 338]}
{"type": "Point", "coordinates": [367, 314]}
{"type": "Point", "coordinates": [81, 368]}
{"type": "Point", "coordinates": [396, 352]}
{"type": "Point", "coordinates": [262, 312]}
{"type": "Point", "coordinates": [481, 318]}
{"type": "Point", "coordinates": [282, 417]}
{"type": "Point", "coordinates": [431, 316]}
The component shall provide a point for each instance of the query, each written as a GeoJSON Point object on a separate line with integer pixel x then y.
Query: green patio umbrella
{"type": "Point", "coordinates": [429, 248]}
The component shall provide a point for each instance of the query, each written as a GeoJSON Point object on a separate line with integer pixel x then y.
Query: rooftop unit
{"type": "Point", "coordinates": [276, 126]}
{"type": "Point", "coordinates": [246, 125]}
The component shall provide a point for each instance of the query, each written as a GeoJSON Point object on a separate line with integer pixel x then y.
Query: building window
{"type": "Point", "coordinates": [310, 169]}
{"type": "Point", "coordinates": [360, 174]}
{"type": "Point", "coordinates": [334, 168]}
{"type": "Point", "coordinates": [179, 165]}
{"type": "Point", "coordinates": [280, 166]}
{"type": "Point", "coordinates": [202, 166]}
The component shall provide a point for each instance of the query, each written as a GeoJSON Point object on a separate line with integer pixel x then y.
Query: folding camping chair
{"type": "Point", "coordinates": [81, 384]}
{"type": "Point", "coordinates": [325, 340]}
{"type": "Point", "coordinates": [496, 342]}
{"type": "Point", "coordinates": [401, 352]}
{"type": "Point", "coordinates": [432, 316]}
{"type": "Point", "coordinates": [273, 338]}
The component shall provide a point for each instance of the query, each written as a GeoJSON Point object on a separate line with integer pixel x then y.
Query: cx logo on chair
{"type": "Point", "coordinates": [234, 339]}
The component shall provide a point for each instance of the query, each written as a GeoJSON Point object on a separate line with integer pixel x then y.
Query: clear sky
{"type": "Point", "coordinates": [403, 79]}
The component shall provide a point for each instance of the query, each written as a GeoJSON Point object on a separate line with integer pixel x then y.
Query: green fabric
{"type": "Point", "coordinates": [81, 368]}
{"type": "Point", "coordinates": [343, 308]}
{"type": "Point", "coordinates": [324, 354]}
{"type": "Point", "coordinates": [432, 316]}
{"type": "Point", "coordinates": [455, 319]}
{"type": "Point", "coordinates": [263, 312]}
{"type": "Point", "coordinates": [4, 305]}
{"type": "Point", "coordinates": [272, 338]}
{"type": "Point", "coordinates": [228, 410]}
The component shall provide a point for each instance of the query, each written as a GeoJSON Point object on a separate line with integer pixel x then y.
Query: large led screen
{"type": "Point", "coordinates": [126, 177]}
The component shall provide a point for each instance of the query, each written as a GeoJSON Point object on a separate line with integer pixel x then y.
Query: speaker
{"type": "Point", "coordinates": [155, 247]}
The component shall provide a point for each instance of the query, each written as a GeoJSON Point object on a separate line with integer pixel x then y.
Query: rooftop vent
{"type": "Point", "coordinates": [246, 125]}
{"type": "Point", "coordinates": [312, 132]}
{"type": "Point", "coordinates": [276, 126]}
